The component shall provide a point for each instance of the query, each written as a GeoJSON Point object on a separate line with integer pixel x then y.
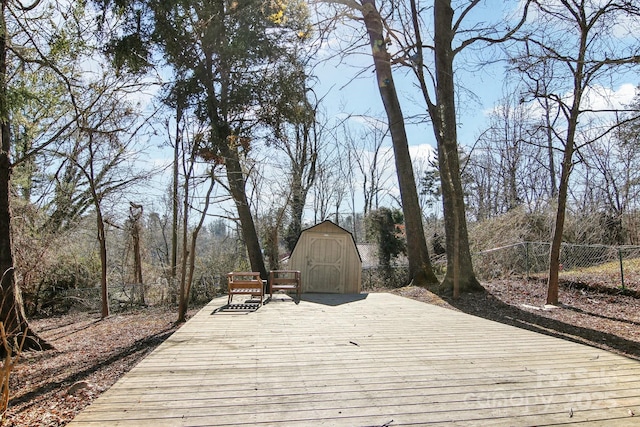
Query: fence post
{"type": "Point", "coordinates": [526, 258]}
{"type": "Point", "coordinates": [621, 267]}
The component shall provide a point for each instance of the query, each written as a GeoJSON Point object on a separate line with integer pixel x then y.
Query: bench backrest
{"type": "Point", "coordinates": [284, 277]}
{"type": "Point", "coordinates": [243, 275]}
{"type": "Point", "coordinates": [244, 279]}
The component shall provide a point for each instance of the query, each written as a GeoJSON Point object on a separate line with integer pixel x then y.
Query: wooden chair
{"type": "Point", "coordinates": [245, 283]}
{"type": "Point", "coordinates": [285, 280]}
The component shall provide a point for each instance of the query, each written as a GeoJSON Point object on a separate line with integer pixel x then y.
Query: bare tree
{"type": "Point", "coordinates": [135, 215]}
{"type": "Point", "coordinates": [105, 156]}
{"type": "Point", "coordinates": [436, 80]}
{"type": "Point", "coordinates": [189, 255]}
{"type": "Point", "coordinates": [420, 269]}
{"type": "Point", "coordinates": [32, 38]}
{"type": "Point", "coordinates": [370, 159]}
{"type": "Point", "coordinates": [435, 76]}
{"type": "Point", "coordinates": [303, 160]}
{"type": "Point", "coordinates": [541, 79]}
{"type": "Point", "coordinates": [328, 188]}
{"type": "Point", "coordinates": [428, 183]}
{"type": "Point", "coordinates": [507, 162]}
{"type": "Point", "coordinates": [193, 157]}
{"type": "Point", "coordinates": [611, 182]}
{"type": "Point", "coordinates": [586, 44]}
{"type": "Point", "coordinates": [300, 141]}
{"type": "Point", "coordinates": [345, 186]}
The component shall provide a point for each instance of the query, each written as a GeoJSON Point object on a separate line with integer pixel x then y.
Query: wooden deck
{"type": "Point", "coordinates": [366, 360]}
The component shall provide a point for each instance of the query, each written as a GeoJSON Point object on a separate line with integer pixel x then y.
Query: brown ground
{"type": "Point", "coordinates": [49, 388]}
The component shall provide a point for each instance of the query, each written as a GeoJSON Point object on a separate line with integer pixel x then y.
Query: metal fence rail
{"type": "Point", "coordinates": [615, 265]}
{"type": "Point", "coordinates": [532, 258]}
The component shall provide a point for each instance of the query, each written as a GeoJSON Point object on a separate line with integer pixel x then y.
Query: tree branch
{"type": "Point", "coordinates": [491, 40]}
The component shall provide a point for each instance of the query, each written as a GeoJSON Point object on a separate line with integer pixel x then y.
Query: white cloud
{"type": "Point", "coordinates": [422, 153]}
{"type": "Point", "coordinates": [598, 99]}
{"type": "Point", "coordinates": [604, 98]}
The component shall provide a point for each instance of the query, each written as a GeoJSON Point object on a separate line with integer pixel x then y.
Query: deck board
{"type": "Point", "coordinates": [368, 360]}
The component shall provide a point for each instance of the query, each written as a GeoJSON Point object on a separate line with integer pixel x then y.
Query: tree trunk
{"type": "Point", "coordinates": [272, 245]}
{"type": "Point", "coordinates": [173, 274]}
{"type": "Point", "coordinates": [218, 88]}
{"type": "Point", "coordinates": [298, 198]}
{"type": "Point", "coordinates": [236, 180]}
{"type": "Point", "coordinates": [460, 276]}
{"type": "Point", "coordinates": [580, 82]}
{"type": "Point", "coordinates": [563, 190]}
{"type": "Point", "coordinates": [185, 290]}
{"type": "Point", "coordinates": [549, 135]}
{"type": "Point", "coordinates": [295, 226]}
{"type": "Point", "coordinates": [102, 242]}
{"type": "Point", "coordinates": [556, 241]}
{"type": "Point", "coordinates": [182, 287]}
{"type": "Point", "coordinates": [420, 269]}
{"type": "Point", "coordinates": [11, 309]}
{"type": "Point", "coordinates": [303, 165]}
{"type": "Point", "coordinates": [136, 213]}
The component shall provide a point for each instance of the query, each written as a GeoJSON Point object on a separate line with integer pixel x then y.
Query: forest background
{"type": "Point", "coordinates": [150, 148]}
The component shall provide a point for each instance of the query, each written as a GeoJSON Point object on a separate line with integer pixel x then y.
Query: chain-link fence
{"type": "Point", "coordinates": [124, 296]}
{"type": "Point", "coordinates": [615, 265]}
{"type": "Point", "coordinates": [611, 265]}
{"type": "Point", "coordinates": [375, 276]}
{"type": "Point", "coordinates": [621, 263]}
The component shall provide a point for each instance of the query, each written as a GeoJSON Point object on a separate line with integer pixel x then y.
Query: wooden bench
{"type": "Point", "coordinates": [285, 280]}
{"type": "Point", "coordinates": [245, 283]}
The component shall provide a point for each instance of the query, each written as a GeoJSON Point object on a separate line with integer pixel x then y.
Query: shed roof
{"type": "Point", "coordinates": [325, 226]}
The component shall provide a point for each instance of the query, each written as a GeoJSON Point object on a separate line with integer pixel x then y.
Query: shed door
{"type": "Point", "coordinates": [326, 263]}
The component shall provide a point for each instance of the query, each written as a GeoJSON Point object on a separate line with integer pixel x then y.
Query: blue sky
{"type": "Point", "coordinates": [349, 87]}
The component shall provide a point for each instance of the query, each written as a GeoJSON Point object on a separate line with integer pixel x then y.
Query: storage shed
{"type": "Point", "coordinates": [327, 256]}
